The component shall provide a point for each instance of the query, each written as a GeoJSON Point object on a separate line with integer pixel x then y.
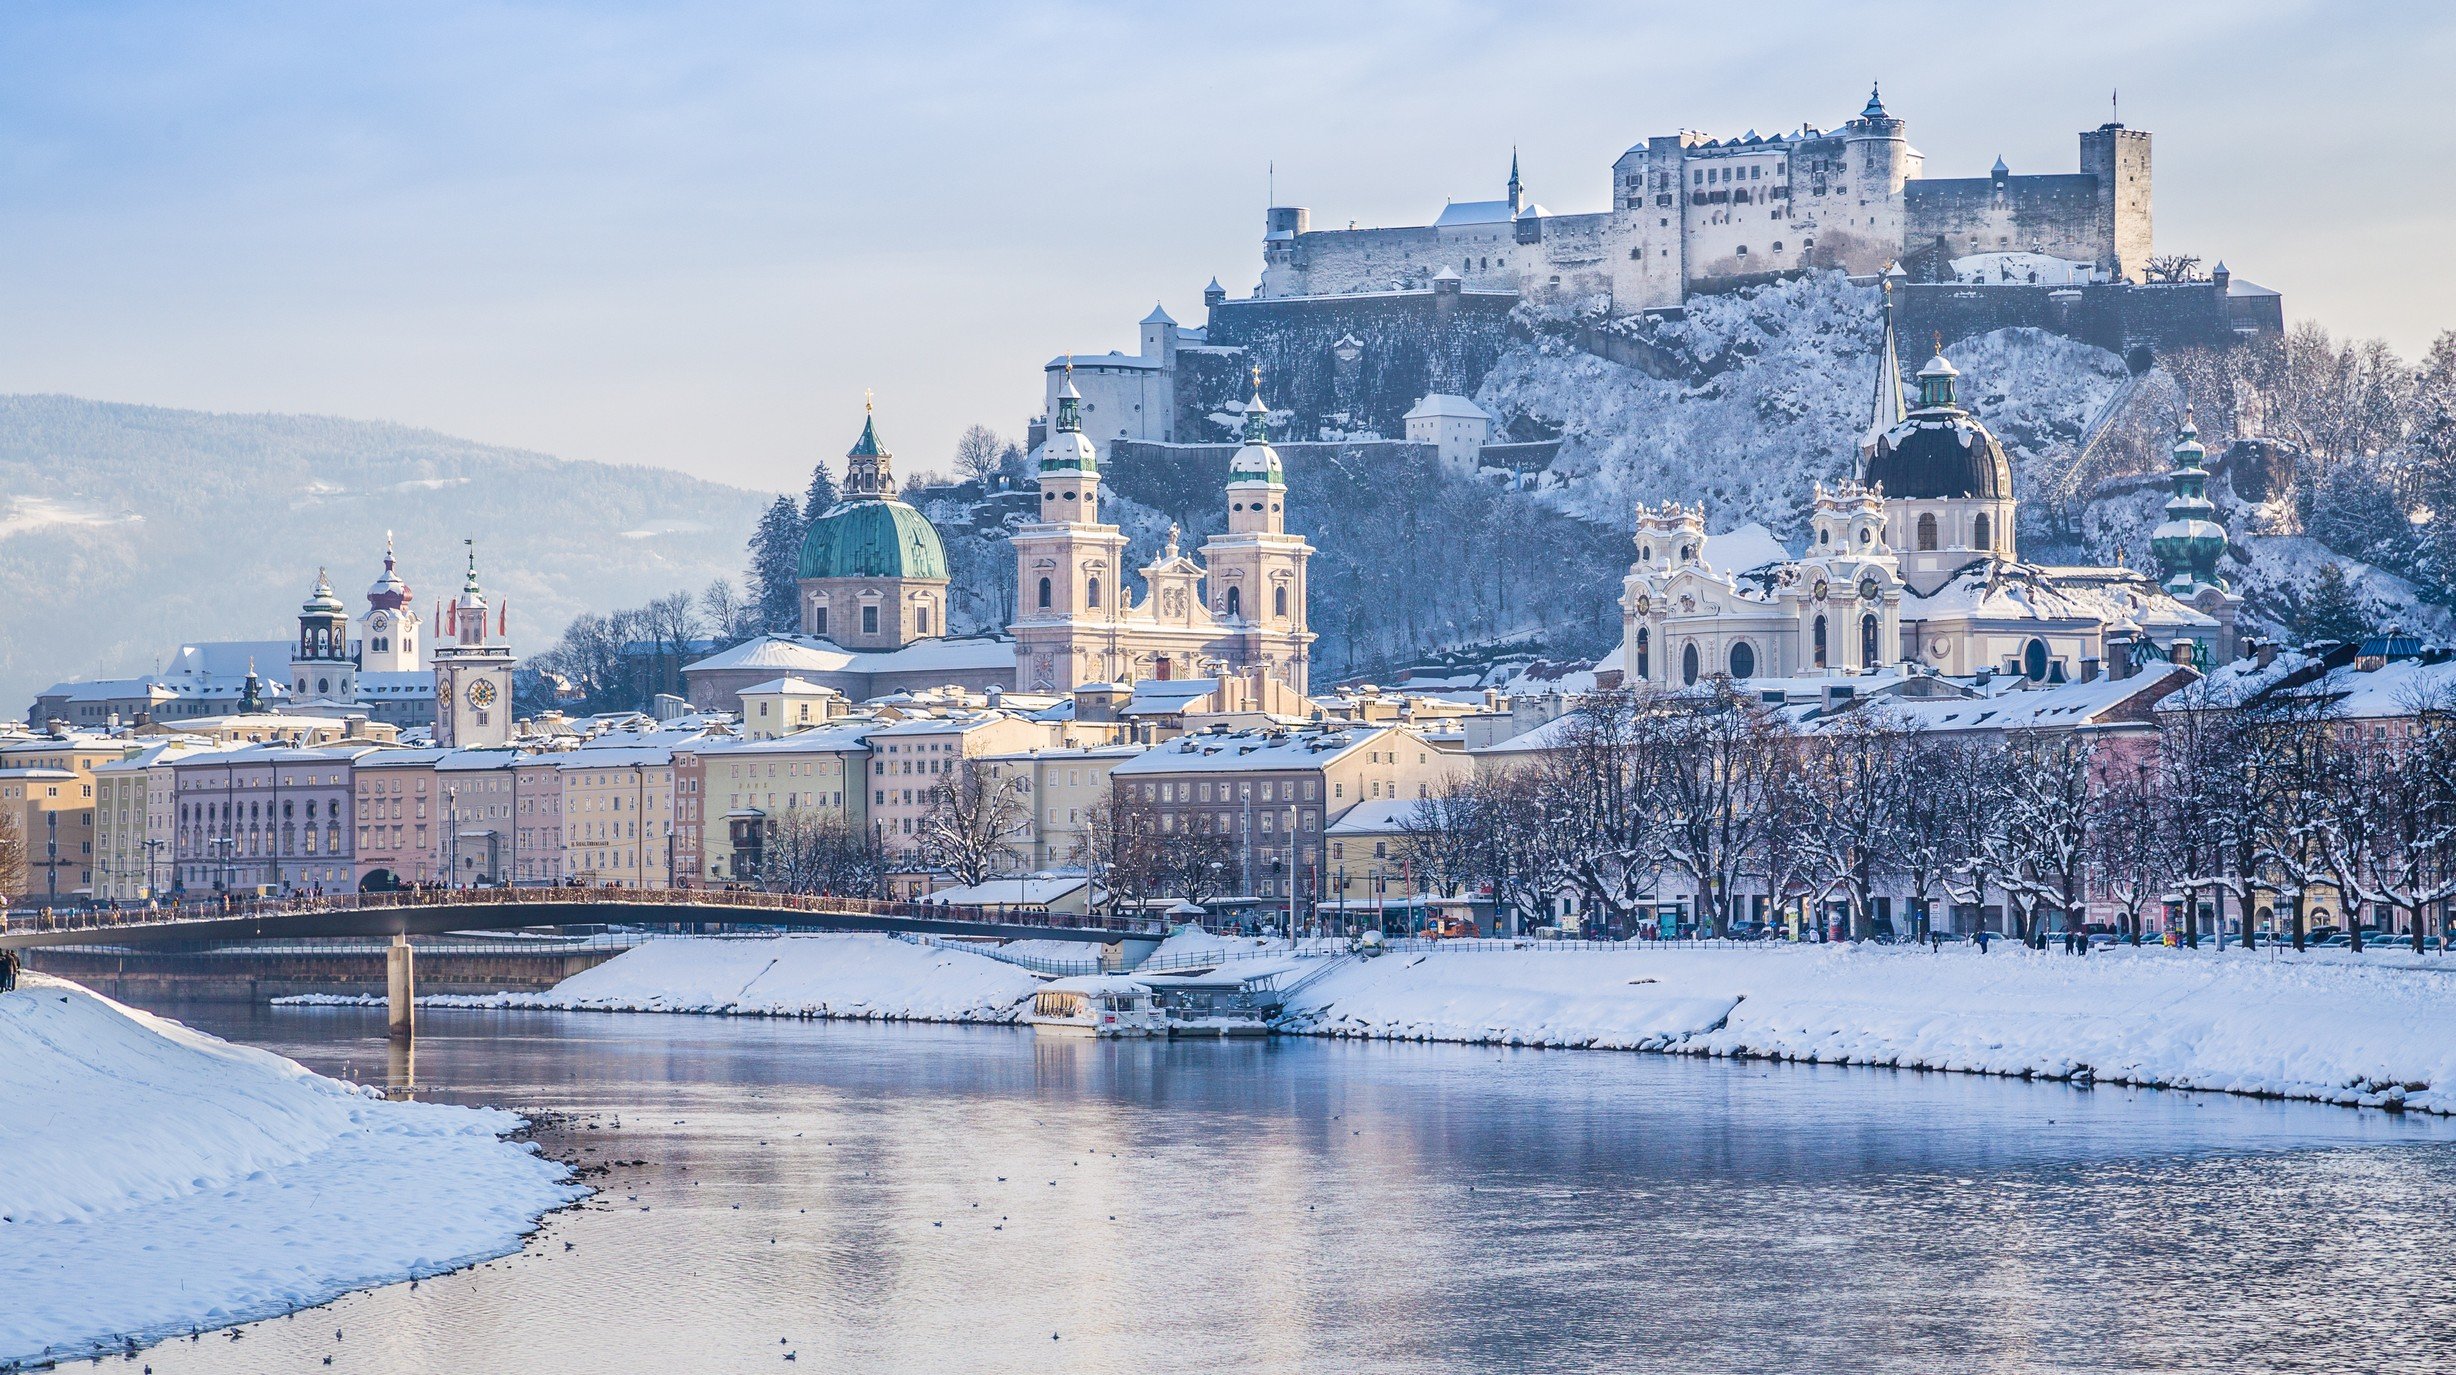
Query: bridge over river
{"type": "Point", "coordinates": [428, 912]}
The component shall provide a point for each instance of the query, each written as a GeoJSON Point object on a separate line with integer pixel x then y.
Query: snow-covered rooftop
{"type": "Point", "coordinates": [1445, 406]}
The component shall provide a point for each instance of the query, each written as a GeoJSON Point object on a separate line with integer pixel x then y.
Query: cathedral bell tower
{"type": "Point", "coordinates": [473, 674]}
{"type": "Point", "coordinates": [1069, 567]}
{"type": "Point", "coordinates": [1256, 570]}
{"type": "Point", "coordinates": [320, 663]}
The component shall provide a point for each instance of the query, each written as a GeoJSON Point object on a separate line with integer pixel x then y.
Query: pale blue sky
{"type": "Point", "coordinates": [691, 235]}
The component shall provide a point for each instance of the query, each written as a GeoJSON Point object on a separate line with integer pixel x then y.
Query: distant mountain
{"type": "Point", "coordinates": [126, 530]}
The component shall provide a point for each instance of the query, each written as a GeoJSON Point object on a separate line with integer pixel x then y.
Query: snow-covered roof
{"type": "Point", "coordinates": [836, 737]}
{"type": "Point", "coordinates": [2399, 687]}
{"type": "Point", "coordinates": [799, 654]}
{"type": "Point", "coordinates": [1380, 817]}
{"type": "Point", "coordinates": [1166, 696]}
{"type": "Point", "coordinates": [2000, 590]}
{"type": "Point", "coordinates": [2015, 707]}
{"type": "Point", "coordinates": [1738, 551]}
{"type": "Point", "coordinates": [792, 686]}
{"type": "Point", "coordinates": [1087, 362]}
{"type": "Point", "coordinates": [1032, 890]}
{"type": "Point", "coordinates": [1445, 406]}
{"type": "Point", "coordinates": [1254, 751]}
{"type": "Point", "coordinates": [1458, 213]}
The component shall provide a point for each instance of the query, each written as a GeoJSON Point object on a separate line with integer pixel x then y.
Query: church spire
{"type": "Point", "coordinates": [1886, 409]}
{"type": "Point", "coordinates": [1256, 460]}
{"type": "Point", "coordinates": [1514, 195]}
{"type": "Point", "coordinates": [868, 473]}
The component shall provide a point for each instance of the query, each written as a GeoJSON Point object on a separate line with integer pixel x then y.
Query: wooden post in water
{"type": "Point", "coordinates": [400, 990]}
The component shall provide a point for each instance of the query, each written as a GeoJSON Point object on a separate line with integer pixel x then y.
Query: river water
{"type": "Point", "coordinates": [909, 1198]}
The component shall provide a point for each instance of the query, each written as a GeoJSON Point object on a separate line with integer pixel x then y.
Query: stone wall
{"type": "Point", "coordinates": [2121, 318]}
{"type": "Point", "coordinates": [1408, 343]}
{"type": "Point", "coordinates": [2057, 215]}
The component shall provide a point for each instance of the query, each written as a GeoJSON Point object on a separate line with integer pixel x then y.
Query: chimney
{"type": "Point", "coordinates": [2264, 652]}
{"type": "Point", "coordinates": [2180, 652]}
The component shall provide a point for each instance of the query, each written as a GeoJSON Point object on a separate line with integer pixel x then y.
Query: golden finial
{"type": "Point", "coordinates": [869, 400]}
{"type": "Point", "coordinates": [1257, 379]}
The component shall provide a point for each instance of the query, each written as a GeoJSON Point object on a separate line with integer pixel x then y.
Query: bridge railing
{"type": "Point", "coordinates": [701, 900]}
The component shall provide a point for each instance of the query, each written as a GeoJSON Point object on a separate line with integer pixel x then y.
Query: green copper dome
{"type": "Point", "coordinates": [871, 538]}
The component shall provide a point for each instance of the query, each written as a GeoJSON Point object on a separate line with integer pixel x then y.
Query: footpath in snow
{"type": "Point", "coordinates": [154, 1179]}
{"type": "Point", "coordinates": [2376, 1031]}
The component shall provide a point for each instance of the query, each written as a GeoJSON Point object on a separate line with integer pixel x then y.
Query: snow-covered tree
{"type": "Point", "coordinates": [808, 851]}
{"type": "Point", "coordinates": [976, 815]}
{"type": "Point", "coordinates": [978, 455]}
{"type": "Point", "coordinates": [775, 567]}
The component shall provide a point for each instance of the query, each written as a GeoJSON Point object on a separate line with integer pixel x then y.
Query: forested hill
{"type": "Point", "coordinates": [126, 530]}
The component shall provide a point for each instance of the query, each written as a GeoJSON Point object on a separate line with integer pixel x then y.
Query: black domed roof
{"type": "Point", "coordinates": [1938, 452]}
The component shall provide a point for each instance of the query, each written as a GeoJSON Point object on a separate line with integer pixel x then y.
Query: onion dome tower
{"type": "Point", "coordinates": [2189, 541]}
{"type": "Point", "coordinates": [391, 642]}
{"type": "Point", "coordinates": [873, 573]}
{"type": "Point", "coordinates": [320, 663]}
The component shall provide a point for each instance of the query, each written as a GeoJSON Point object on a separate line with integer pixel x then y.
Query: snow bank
{"type": "Point", "coordinates": [2378, 1032]}
{"type": "Point", "coordinates": [155, 1179]}
{"type": "Point", "coordinates": [849, 976]}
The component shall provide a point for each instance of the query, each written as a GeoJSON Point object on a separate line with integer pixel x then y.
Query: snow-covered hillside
{"type": "Point", "coordinates": [126, 530]}
{"type": "Point", "coordinates": [154, 1179]}
{"type": "Point", "coordinates": [1754, 397]}
{"type": "Point", "coordinates": [1770, 391]}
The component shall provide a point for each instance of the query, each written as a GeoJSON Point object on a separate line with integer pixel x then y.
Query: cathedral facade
{"type": "Point", "coordinates": [1911, 565]}
{"type": "Point", "coordinates": [1239, 612]}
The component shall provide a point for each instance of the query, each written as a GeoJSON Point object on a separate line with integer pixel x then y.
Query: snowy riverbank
{"type": "Point", "coordinates": [2376, 1031]}
{"type": "Point", "coordinates": [859, 977]}
{"type": "Point", "coordinates": [155, 1179]}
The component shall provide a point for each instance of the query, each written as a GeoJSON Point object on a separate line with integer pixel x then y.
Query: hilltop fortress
{"type": "Point", "coordinates": [1693, 213]}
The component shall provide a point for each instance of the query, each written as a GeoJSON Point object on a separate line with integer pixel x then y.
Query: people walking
{"type": "Point", "coordinates": [8, 970]}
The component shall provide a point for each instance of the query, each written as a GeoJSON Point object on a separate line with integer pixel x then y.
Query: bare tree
{"type": "Point", "coordinates": [2050, 792]}
{"type": "Point", "coordinates": [1443, 837]}
{"type": "Point", "coordinates": [1952, 779]}
{"type": "Point", "coordinates": [12, 858]}
{"type": "Point", "coordinates": [810, 851]}
{"type": "Point", "coordinates": [975, 817]}
{"type": "Point", "coordinates": [2172, 267]}
{"type": "Point", "coordinates": [1858, 770]}
{"type": "Point", "coordinates": [1717, 759]}
{"type": "Point", "coordinates": [2124, 844]}
{"type": "Point", "coordinates": [979, 454]}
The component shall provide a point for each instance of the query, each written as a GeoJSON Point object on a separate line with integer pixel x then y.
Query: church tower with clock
{"type": "Point", "coordinates": [391, 642]}
{"type": "Point", "coordinates": [473, 674]}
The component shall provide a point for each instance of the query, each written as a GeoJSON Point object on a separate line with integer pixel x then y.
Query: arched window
{"type": "Point", "coordinates": [1743, 661]}
{"type": "Point", "coordinates": [1044, 594]}
{"type": "Point", "coordinates": [1236, 603]}
{"type": "Point", "coordinates": [1279, 601]}
{"type": "Point", "coordinates": [1688, 664]}
{"type": "Point", "coordinates": [2034, 660]}
{"type": "Point", "coordinates": [1816, 642]}
{"type": "Point", "coordinates": [1867, 642]}
{"type": "Point", "coordinates": [1980, 532]}
{"type": "Point", "coordinates": [1927, 530]}
{"type": "Point", "coordinates": [1643, 671]}
{"type": "Point", "coordinates": [1091, 591]}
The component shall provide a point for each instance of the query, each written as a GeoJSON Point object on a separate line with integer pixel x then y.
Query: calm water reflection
{"type": "Point", "coordinates": [920, 1199]}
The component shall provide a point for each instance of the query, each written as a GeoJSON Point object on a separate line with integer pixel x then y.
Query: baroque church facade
{"type": "Point", "coordinates": [1911, 566]}
{"type": "Point", "coordinates": [1237, 613]}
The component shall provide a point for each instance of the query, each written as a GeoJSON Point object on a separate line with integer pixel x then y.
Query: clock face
{"type": "Point", "coordinates": [378, 621]}
{"type": "Point", "coordinates": [1868, 589]}
{"type": "Point", "coordinates": [482, 693]}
